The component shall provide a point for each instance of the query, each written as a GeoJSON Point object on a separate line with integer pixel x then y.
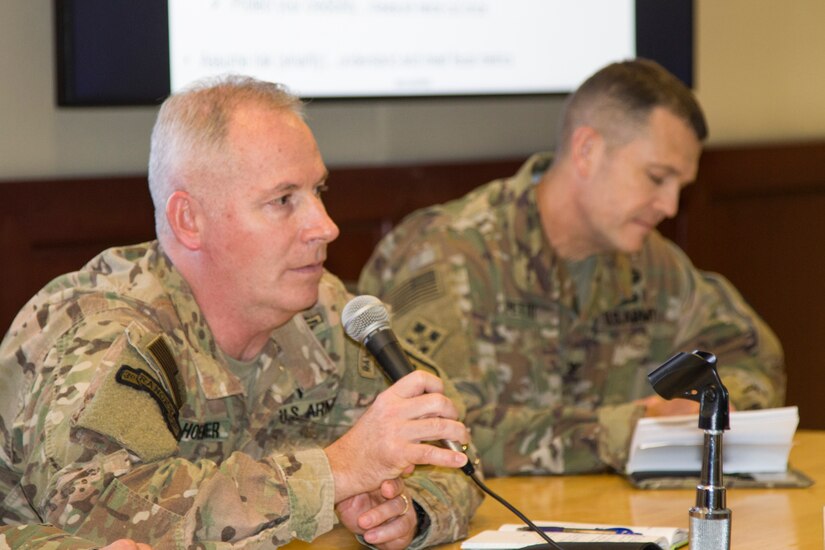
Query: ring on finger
{"type": "Point", "coordinates": [406, 505]}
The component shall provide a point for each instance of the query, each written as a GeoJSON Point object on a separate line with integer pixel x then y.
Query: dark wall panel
{"type": "Point", "coordinates": [756, 214]}
{"type": "Point", "coordinates": [759, 218]}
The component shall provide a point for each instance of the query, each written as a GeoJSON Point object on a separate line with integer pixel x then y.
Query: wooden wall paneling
{"type": "Point", "coordinates": [52, 227]}
{"type": "Point", "coordinates": [756, 215]}
{"type": "Point", "coordinates": [367, 202]}
{"type": "Point", "coordinates": [760, 221]}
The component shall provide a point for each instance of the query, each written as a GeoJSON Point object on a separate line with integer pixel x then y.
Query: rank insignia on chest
{"type": "Point", "coordinates": [313, 320]}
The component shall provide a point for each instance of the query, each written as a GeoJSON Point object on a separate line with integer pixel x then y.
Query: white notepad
{"type": "Point", "coordinates": [758, 441]}
{"type": "Point", "coordinates": [512, 535]}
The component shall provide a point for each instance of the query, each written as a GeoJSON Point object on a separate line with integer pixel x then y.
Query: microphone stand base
{"type": "Point", "coordinates": [709, 529]}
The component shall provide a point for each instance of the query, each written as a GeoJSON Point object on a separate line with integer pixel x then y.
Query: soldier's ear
{"type": "Point", "coordinates": [586, 148]}
{"type": "Point", "coordinates": [183, 212]}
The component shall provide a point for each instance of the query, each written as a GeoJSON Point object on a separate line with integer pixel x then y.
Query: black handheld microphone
{"type": "Point", "coordinates": [367, 321]}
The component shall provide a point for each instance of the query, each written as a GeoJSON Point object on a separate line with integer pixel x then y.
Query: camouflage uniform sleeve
{"type": "Point", "coordinates": [715, 317]}
{"type": "Point", "coordinates": [107, 474]}
{"type": "Point", "coordinates": [442, 295]}
{"type": "Point", "coordinates": [41, 537]}
{"type": "Point", "coordinates": [447, 495]}
{"type": "Point", "coordinates": [553, 439]}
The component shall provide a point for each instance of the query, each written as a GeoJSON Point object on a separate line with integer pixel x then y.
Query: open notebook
{"type": "Point", "coordinates": [667, 452]}
{"type": "Point", "coordinates": [516, 536]}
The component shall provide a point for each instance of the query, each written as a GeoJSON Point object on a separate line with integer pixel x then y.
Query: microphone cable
{"type": "Point", "coordinates": [481, 485]}
{"type": "Point", "coordinates": [367, 321]}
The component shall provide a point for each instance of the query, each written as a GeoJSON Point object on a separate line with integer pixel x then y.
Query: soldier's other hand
{"type": "Point", "coordinates": [389, 439]}
{"type": "Point", "coordinates": [385, 518]}
{"type": "Point", "coordinates": [127, 544]}
{"type": "Point", "coordinates": [658, 406]}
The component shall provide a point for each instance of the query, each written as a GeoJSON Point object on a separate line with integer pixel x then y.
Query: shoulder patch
{"type": "Point", "coordinates": [128, 403]}
{"type": "Point", "coordinates": [424, 336]}
{"type": "Point", "coordinates": [414, 291]}
{"type": "Point", "coordinates": [140, 380]}
{"type": "Point", "coordinates": [366, 364]}
{"type": "Point", "coordinates": [420, 360]}
{"type": "Point", "coordinates": [160, 352]}
{"type": "Point", "coordinates": [423, 362]}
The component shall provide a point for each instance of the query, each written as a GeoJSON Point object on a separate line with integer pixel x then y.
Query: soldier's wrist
{"type": "Point", "coordinates": [422, 520]}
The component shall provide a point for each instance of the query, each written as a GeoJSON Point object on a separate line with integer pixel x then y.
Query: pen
{"type": "Point", "coordinates": [588, 530]}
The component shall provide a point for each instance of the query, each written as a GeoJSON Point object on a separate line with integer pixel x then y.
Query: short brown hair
{"type": "Point", "coordinates": [618, 99]}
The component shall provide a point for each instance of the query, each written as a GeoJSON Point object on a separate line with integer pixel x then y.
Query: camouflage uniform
{"type": "Point", "coordinates": [548, 353]}
{"type": "Point", "coordinates": [88, 425]}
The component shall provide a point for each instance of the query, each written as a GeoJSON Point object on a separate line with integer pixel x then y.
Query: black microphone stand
{"type": "Point", "coordinates": [694, 376]}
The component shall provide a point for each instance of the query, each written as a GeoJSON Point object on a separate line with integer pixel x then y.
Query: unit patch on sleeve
{"type": "Point", "coordinates": [366, 365]}
{"type": "Point", "coordinates": [142, 381]}
{"type": "Point", "coordinates": [424, 336]}
{"type": "Point", "coordinates": [162, 355]}
{"type": "Point", "coordinates": [415, 291]}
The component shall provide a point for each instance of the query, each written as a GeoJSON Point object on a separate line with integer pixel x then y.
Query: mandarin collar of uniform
{"type": "Point", "coordinates": [540, 271]}
{"type": "Point", "coordinates": [216, 380]}
{"type": "Point", "coordinates": [302, 354]}
{"type": "Point", "coordinates": [291, 345]}
{"type": "Point", "coordinates": [611, 283]}
{"type": "Point", "coordinates": [615, 283]}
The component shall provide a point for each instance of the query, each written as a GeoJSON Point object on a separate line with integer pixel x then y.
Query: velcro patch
{"type": "Point", "coordinates": [140, 380]}
{"type": "Point", "coordinates": [424, 336]}
{"type": "Point", "coordinates": [366, 364]}
{"type": "Point", "coordinates": [162, 355]}
{"type": "Point", "coordinates": [414, 291]}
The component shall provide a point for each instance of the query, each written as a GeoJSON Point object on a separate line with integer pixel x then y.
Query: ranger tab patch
{"type": "Point", "coordinates": [142, 381]}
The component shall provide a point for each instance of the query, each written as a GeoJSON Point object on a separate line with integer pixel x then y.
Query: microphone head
{"type": "Point", "coordinates": [363, 315]}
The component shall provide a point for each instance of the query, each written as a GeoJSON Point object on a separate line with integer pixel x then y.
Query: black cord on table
{"type": "Point", "coordinates": [522, 517]}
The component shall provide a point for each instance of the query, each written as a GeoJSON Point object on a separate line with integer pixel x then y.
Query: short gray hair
{"type": "Point", "coordinates": [192, 125]}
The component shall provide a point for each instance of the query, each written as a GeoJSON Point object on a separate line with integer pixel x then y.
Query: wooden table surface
{"type": "Point", "coordinates": [762, 518]}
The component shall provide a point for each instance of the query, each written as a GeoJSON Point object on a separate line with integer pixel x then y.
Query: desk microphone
{"type": "Point", "coordinates": [694, 376]}
{"type": "Point", "coordinates": [367, 321]}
